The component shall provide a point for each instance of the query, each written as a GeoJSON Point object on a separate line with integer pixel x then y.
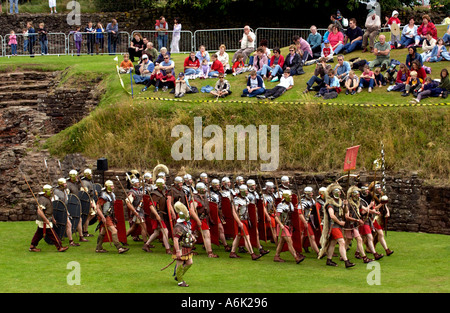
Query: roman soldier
{"type": "Point", "coordinates": [87, 185]}
{"type": "Point", "coordinates": [226, 190]}
{"type": "Point", "coordinates": [240, 214]}
{"type": "Point", "coordinates": [309, 218]}
{"type": "Point", "coordinates": [177, 192]}
{"type": "Point", "coordinates": [269, 199]}
{"type": "Point", "coordinates": [354, 221]}
{"type": "Point", "coordinates": [215, 196]}
{"type": "Point", "coordinates": [134, 202]}
{"type": "Point", "coordinates": [200, 212]}
{"type": "Point", "coordinates": [61, 193]}
{"type": "Point", "coordinates": [238, 181]}
{"type": "Point", "coordinates": [334, 219]}
{"type": "Point", "coordinates": [188, 186]}
{"type": "Point", "coordinates": [253, 196]}
{"type": "Point", "coordinates": [148, 183]}
{"type": "Point", "coordinates": [283, 218]}
{"type": "Point", "coordinates": [183, 241]}
{"type": "Point", "coordinates": [380, 206]}
{"type": "Point", "coordinates": [159, 209]}
{"type": "Point", "coordinates": [74, 185]}
{"type": "Point", "coordinates": [284, 186]}
{"type": "Point", "coordinates": [204, 178]}
{"type": "Point", "coordinates": [45, 221]}
{"type": "Point", "coordinates": [105, 214]}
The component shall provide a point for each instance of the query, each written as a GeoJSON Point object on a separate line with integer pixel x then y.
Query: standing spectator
{"type": "Point", "coordinates": [223, 57]}
{"type": "Point", "coordinates": [113, 36]}
{"type": "Point", "coordinates": [13, 43]}
{"type": "Point", "coordinates": [25, 39]}
{"type": "Point", "coordinates": [336, 39]}
{"type": "Point", "coordinates": [382, 52]}
{"type": "Point", "coordinates": [395, 39]}
{"type": "Point", "coordinates": [353, 37]}
{"type": "Point", "coordinates": [409, 34]}
{"type": "Point", "coordinates": [315, 40]}
{"type": "Point", "coordinates": [12, 4]}
{"type": "Point", "coordinates": [31, 38]}
{"type": "Point", "coordinates": [78, 38]}
{"type": "Point", "coordinates": [90, 40]}
{"type": "Point", "coordinates": [174, 46]}
{"type": "Point", "coordinates": [337, 23]}
{"type": "Point", "coordinates": [52, 5]}
{"type": "Point", "coordinates": [373, 26]}
{"type": "Point", "coordinates": [136, 47]}
{"type": "Point", "coordinates": [162, 27]}
{"type": "Point", "coordinates": [426, 27]}
{"type": "Point", "coordinates": [216, 67]}
{"type": "Point", "coordinates": [100, 38]}
{"type": "Point", "coordinates": [43, 39]}
{"type": "Point", "coordinates": [255, 85]}
{"type": "Point", "coordinates": [247, 44]}
{"type": "Point", "coordinates": [202, 54]}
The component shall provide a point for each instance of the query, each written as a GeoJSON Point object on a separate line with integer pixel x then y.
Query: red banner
{"type": "Point", "coordinates": [350, 158]}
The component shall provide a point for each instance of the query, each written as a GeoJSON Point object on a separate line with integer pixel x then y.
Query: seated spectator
{"type": "Point", "coordinates": [439, 52]}
{"type": "Point", "coordinates": [390, 74]}
{"type": "Point", "coordinates": [426, 27]}
{"type": "Point", "coordinates": [328, 32]}
{"type": "Point", "coordinates": [239, 66]}
{"type": "Point", "coordinates": [367, 79]}
{"type": "Point", "coordinates": [446, 36]}
{"type": "Point", "coordinates": [353, 37]}
{"type": "Point", "coordinates": [276, 65]}
{"type": "Point", "coordinates": [163, 52]}
{"type": "Point", "coordinates": [255, 85]}
{"type": "Point", "coordinates": [259, 60]}
{"type": "Point", "coordinates": [416, 66]}
{"type": "Point", "coordinates": [292, 62]}
{"type": "Point", "coordinates": [342, 69]}
{"type": "Point", "coordinates": [191, 64]}
{"type": "Point", "coordinates": [336, 39]}
{"type": "Point", "coordinates": [333, 85]}
{"type": "Point", "coordinates": [315, 42]}
{"type": "Point", "coordinates": [286, 83]}
{"type": "Point", "coordinates": [373, 27]}
{"type": "Point", "coordinates": [434, 89]}
{"type": "Point", "coordinates": [264, 44]}
{"type": "Point", "coordinates": [247, 44]}
{"type": "Point", "coordinates": [167, 65]}
{"type": "Point", "coordinates": [303, 49]}
{"type": "Point", "coordinates": [168, 81]}
{"type": "Point", "coordinates": [204, 69]}
{"type": "Point", "coordinates": [409, 34]}
{"type": "Point", "coordinates": [126, 66]}
{"type": "Point", "coordinates": [320, 72]}
{"type": "Point", "coordinates": [382, 52]}
{"type": "Point", "coordinates": [351, 83]}
{"type": "Point", "coordinates": [427, 46]}
{"type": "Point", "coordinates": [380, 81]}
{"type": "Point", "coordinates": [412, 84]}
{"type": "Point", "coordinates": [327, 51]}
{"type": "Point", "coordinates": [216, 67]}
{"type": "Point", "coordinates": [155, 79]}
{"type": "Point", "coordinates": [402, 77]}
{"type": "Point", "coordinates": [180, 85]}
{"type": "Point", "coordinates": [222, 87]}
{"type": "Point", "coordinates": [136, 47]}
{"type": "Point", "coordinates": [151, 51]}
{"type": "Point", "coordinates": [412, 55]}
{"type": "Point", "coordinates": [202, 54]}
{"type": "Point", "coordinates": [223, 57]}
{"type": "Point", "coordinates": [145, 71]}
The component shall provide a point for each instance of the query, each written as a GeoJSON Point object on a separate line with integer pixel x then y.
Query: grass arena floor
{"type": "Point", "coordinates": [419, 265]}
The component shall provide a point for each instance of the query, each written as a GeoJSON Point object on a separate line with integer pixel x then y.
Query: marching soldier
{"type": "Point", "coordinates": [285, 209]}
{"type": "Point", "coordinates": [188, 186]}
{"type": "Point", "coordinates": [307, 205]}
{"type": "Point", "coordinates": [226, 190]}
{"type": "Point", "coordinates": [240, 214]}
{"type": "Point", "coordinates": [87, 185]}
{"type": "Point", "coordinates": [61, 193]}
{"type": "Point", "coordinates": [177, 192]}
{"type": "Point", "coordinates": [148, 183]}
{"type": "Point", "coordinates": [354, 221]}
{"type": "Point", "coordinates": [269, 199]}
{"type": "Point", "coordinates": [334, 220]}
{"type": "Point", "coordinates": [253, 196]}
{"type": "Point", "coordinates": [201, 217]}
{"type": "Point", "coordinates": [74, 185]}
{"type": "Point", "coordinates": [215, 196]}
{"type": "Point", "coordinates": [44, 221]}
{"type": "Point", "coordinates": [105, 214]}
{"type": "Point", "coordinates": [183, 241]}
{"type": "Point", "coordinates": [134, 202]}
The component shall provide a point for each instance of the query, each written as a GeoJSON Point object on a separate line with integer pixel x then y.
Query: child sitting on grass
{"type": "Point", "coordinates": [333, 85]}
{"type": "Point", "coordinates": [412, 83]}
{"type": "Point", "coordinates": [351, 83]}
{"type": "Point", "coordinates": [126, 66]}
{"type": "Point", "coordinates": [380, 81]}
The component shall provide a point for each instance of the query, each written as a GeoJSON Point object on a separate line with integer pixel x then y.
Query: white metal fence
{"type": "Point", "coordinates": [82, 43]}
{"type": "Point", "coordinates": [183, 40]}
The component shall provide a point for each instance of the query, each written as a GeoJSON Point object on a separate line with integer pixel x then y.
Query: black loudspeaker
{"type": "Point", "coordinates": [102, 164]}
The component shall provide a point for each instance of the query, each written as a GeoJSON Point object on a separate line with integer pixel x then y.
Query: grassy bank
{"type": "Point", "coordinates": [313, 136]}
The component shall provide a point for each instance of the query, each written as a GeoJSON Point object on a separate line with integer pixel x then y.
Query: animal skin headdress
{"type": "Point", "coordinates": [182, 211]}
{"type": "Point", "coordinates": [158, 169]}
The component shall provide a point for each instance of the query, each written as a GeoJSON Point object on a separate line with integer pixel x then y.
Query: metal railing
{"type": "Point", "coordinates": [213, 38]}
{"type": "Point", "coordinates": [183, 40]}
{"type": "Point", "coordinates": [82, 43]}
{"type": "Point", "coordinates": [54, 45]}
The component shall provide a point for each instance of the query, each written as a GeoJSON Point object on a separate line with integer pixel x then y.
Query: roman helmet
{"type": "Point", "coordinates": [251, 184]}
{"type": "Point", "coordinates": [178, 181]}
{"type": "Point", "coordinates": [47, 189]}
{"type": "Point", "coordinates": [201, 188]}
{"type": "Point", "coordinates": [148, 177]}
{"type": "Point", "coordinates": [243, 190]}
{"type": "Point", "coordinates": [73, 175]}
{"type": "Point", "coordinates": [285, 181]}
{"type": "Point", "coordinates": [88, 173]}
{"type": "Point", "coordinates": [215, 184]}
{"type": "Point", "coordinates": [287, 195]}
{"type": "Point", "coordinates": [109, 185]}
{"type": "Point", "coordinates": [269, 187]}
{"type": "Point", "coordinates": [204, 178]}
{"type": "Point", "coordinates": [62, 183]}
{"type": "Point", "coordinates": [160, 183]}
{"type": "Point", "coordinates": [322, 192]}
{"type": "Point", "coordinates": [308, 191]}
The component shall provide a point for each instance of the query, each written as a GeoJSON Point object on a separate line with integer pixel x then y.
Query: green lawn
{"type": "Point", "coordinates": [419, 264]}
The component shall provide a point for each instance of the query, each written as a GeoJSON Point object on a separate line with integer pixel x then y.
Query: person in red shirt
{"type": "Point", "coordinates": [168, 81]}
{"type": "Point", "coordinates": [191, 65]}
{"type": "Point", "coordinates": [426, 27]}
{"type": "Point", "coordinates": [216, 67]}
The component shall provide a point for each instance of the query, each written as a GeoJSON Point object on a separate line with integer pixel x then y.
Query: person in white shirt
{"type": "Point", "coordinates": [286, 83]}
{"type": "Point", "coordinates": [373, 27]}
{"type": "Point", "coordinates": [247, 44]}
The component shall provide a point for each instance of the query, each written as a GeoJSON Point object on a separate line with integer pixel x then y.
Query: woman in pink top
{"type": "Point", "coordinates": [13, 43]}
{"type": "Point", "coordinates": [336, 39]}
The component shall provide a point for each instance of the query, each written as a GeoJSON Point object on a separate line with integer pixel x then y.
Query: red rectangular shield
{"type": "Point", "coordinates": [230, 227]}
{"type": "Point", "coordinates": [262, 227]}
{"type": "Point", "coordinates": [350, 158]}
{"type": "Point", "coordinates": [214, 223]}
{"type": "Point", "coordinates": [147, 213]}
{"type": "Point", "coordinates": [121, 229]}
{"type": "Point", "coordinates": [253, 229]}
